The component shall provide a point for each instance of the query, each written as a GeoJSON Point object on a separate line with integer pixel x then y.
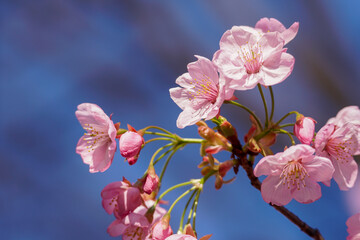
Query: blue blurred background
{"type": "Point", "coordinates": [124, 56]}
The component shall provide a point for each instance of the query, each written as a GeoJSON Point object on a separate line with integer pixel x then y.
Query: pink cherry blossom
{"type": "Point", "coordinates": [201, 94]}
{"type": "Point", "coordinates": [132, 227]}
{"type": "Point", "coordinates": [304, 129]}
{"type": "Point", "coordinates": [339, 145]}
{"type": "Point", "coordinates": [161, 232]}
{"type": "Point", "coordinates": [180, 237]}
{"type": "Point", "coordinates": [248, 57]}
{"type": "Point", "coordinates": [273, 25]}
{"type": "Point", "coordinates": [135, 225]}
{"type": "Point", "coordinates": [97, 147]}
{"type": "Point", "coordinates": [349, 114]}
{"type": "Point", "coordinates": [130, 145]}
{"type": "Point", "coordinates": [120, 198]}
{"type": "Point", "coordinates": [151, 181]}
{"type": "Point", "coordinates": [353, 224]}
{"type": "Point", "coordinates": [293, 173]}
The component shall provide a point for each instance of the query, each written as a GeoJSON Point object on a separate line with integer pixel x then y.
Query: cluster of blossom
{"type": "Point", "coordinates": [248, 57]}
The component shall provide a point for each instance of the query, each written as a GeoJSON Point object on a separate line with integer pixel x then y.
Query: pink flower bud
{"type": "Point", "coordinates": [225, 167]}
{"type": "Point", "coordinates": [162, 229]}
{"type": "Point", "coordinates": [120, 198]}
{"type": "Point", "coordinates": [304, 129]}
{"type": "Point", "coordinates": [130, 146]}
{"type": "Point", "coordinates": [151, 181]}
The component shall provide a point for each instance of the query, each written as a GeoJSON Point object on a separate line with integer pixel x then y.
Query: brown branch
{"type": "Point", "coordinates": [255, 182]}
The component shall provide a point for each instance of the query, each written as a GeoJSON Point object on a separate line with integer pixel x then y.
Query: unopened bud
{"type": "Point", "coordinates": [225, 167]}
{"type": "Point", "coordinates": [218, 182]}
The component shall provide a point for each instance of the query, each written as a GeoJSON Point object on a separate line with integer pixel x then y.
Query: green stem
{"type": "Point", "coordinates": [287, 125]}
{"type": "Point", "coordinates": [162, 155]}
{"type": "Point", "coordinates": [283, 118]}
{"type": "Point", "coordinates": [158, 134]}
{"type": "Point", "coordinates": [287, 133]}
{"type": "Point", "coordinates": [158, 128]}
{"type": "Point", "coordinates": [172, 188]}
{"type": "Point", "coordinates": [190, 212]}
{"type": "Point", "coordinates": [196, 201]}
{"type": "Point", "coordinates": [191, 140]}
{"type": "Point", "coordinates": [159, 150]}
{"type": "Point", "coordinates": [158, 139]}
{"type": "Point", "coordinates": [265, 105]}
{"type": "Point", "coordinates": [248, 110]}
{"type": "Point", "coordinates": [180, 197]}
{"type": "Point", "coordinates": [183, 213]}
{"type": "Point", "coordinates": [167, 161]}
{"type": "Point", "coordinates": [272, 103]}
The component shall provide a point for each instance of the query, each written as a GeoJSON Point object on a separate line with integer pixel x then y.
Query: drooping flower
{"type": "Point", "coordinates": [201, 94]}
{"type": "Point", "coordinates": [132, 227]}
{"type": "Point", "coordinates": [120, 198]}
{"type": "Point", "coordinates": [130, 145]}
{"type": "Point", "coordinates": [264, 143]}
{"type": "Point", "coordinates": [304, 129]}
{"type": "Point", "coordinates": [151, 180]}
{"type": "Point", "coordinates": [353, 224]}
{"type": "Point", "coordinates": [214, 141]}
{"type": "Point", "coordinates": [162, 229]}
{"type": "Point", "coordinates": [98, 146]}
{"type": "Point", "coordinates": [293, 173]}
{"type": "Point", "coordinates": [248, 57]}
{"type": "Point", "coordinates": [350, 114]}
{"type": "Point", "coordinates": [136, 225]}
{"type": "Point", "coordinates": [181, 237]}
{"type": "Point", "coordinates": [273, 25]}
{"type": "Point", "coordinates": [339, 145]}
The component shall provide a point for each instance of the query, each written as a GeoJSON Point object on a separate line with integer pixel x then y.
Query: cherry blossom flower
{"type": "Point", "coordinates": [293, 173]}
{"type": "Point", "coordinates": [273, 25]}
{"type": "Point", "coordinates": [304, 129]}
{"type": "Point", "coordinates": [130, 145]}
{"type": "Point", "coordinates": [181, 237]}
{"type": "Point", "coordinates": [120, 198]}
{"type": "Point", "coordinates": [151, 181]}
{"type": "Point", "coordinates": [353, 224]}
{"type": "Point", "coordinates": [248, 57]}
{"type": "Point", "coordinates": [161, 231]}
{"type": "Point", "coordinates": [201, 94]}
{"type": "Point", "coordinates": [135, 225]}
{"type": "Point", "coordinates": [339, 145]}
{"type": "Point", "coordinates": [349, 114]}
{"type": "Point", "coordinates": [98, 146]}
{"type": "Point", "coordinates": [132, 227]}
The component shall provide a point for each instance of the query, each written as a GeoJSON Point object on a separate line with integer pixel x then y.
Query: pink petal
{"type": "Point", "coordinates": [180, 237]}
{"type": "Point", "coordinates": [277, 68]}
{"type": "Point", "coordinates": [353, 224]}
{"type": "Point", "coordinates": [273, 25]}
{"type": "Point", "coordinates": [275, 192]}
{"type": "Point", "coordinates": [290, 33]}
{"type": "Point", "coordinates": [244, 35]}
{"type": "Point", "coordinates": [231, 66]}
{"type": "Point", "coordinates": [269, 165]}
{"type": "Point", "coordinates": [184, 80]}
{"type": "Point", "coordinates": [270, 25]}
{"type": "Point", "coordinates": [201, 67]}
{"type": "Point", "coordinates": [345, 173]}
{"type": "Point", "coordinates": [100, 158]}
{"type": "Point", "coordinates": [322, 137]}
{"type": "Point", "coordinates": [308, 194]}
{"type": "Point", "coordinates": [320, 169]}
{"type": "Point", "coordinates": [89, 113]}
{"type": "Point", "coordinates": [296, 152]}
{"type": "Point", "coordinates": [180, 96]}
{"type": "Point", "coordinates": [116, 228]}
